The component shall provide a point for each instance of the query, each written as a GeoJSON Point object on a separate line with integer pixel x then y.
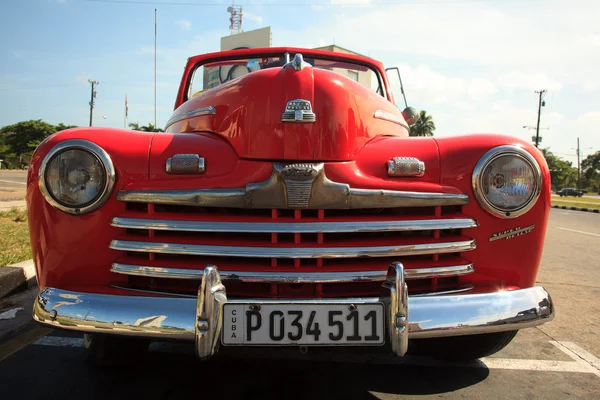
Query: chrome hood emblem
{"type": "Point", "coordinates": [300, 172]}
{"type": "Point", "coordinates": [298, 111]}
{"type": "Point", "coordinates": [298, 179]}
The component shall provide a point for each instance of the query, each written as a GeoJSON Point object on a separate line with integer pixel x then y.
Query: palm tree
{"type": "Point", "coordinates": [424, 126]}
{"type": "Point", "coordinates": [148, 128]}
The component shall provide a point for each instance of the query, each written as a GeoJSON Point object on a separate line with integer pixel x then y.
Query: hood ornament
{"type": "Point", "coordinates": [298, 111]}
{"type": "Point", "coordinates": [297, 63]}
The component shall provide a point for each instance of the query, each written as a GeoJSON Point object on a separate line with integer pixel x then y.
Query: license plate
{"type": "Point", "coordinates": [280, 324]}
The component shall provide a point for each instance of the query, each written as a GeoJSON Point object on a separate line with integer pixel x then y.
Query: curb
{"type": "Point", "coordinates": [15, 276]}
{"type": "Point", "coordinates": [578, 209]}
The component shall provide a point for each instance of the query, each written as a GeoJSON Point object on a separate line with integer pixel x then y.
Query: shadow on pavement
{"type": "Point", "coordinates": [64, 373]}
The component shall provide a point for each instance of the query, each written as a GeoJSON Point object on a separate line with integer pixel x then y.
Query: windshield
{"type": "Point", "coordinates": [209, 75]}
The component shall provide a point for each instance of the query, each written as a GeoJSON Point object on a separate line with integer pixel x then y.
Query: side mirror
{"type": "Point", "coordinates": [411, 115]}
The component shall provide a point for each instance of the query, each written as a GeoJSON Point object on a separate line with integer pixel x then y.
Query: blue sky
{"type": "Point", "coordinates": [472, 64]}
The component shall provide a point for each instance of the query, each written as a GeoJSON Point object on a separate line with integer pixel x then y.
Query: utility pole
{"type": "Point", "coordinates": [92, 97]}
{"type": "Point", "coordinates": [155, 68]}
{"type": "Point", "coordinates": [541, 103]}
{"type": "Point", "coordinates": [578, 167]}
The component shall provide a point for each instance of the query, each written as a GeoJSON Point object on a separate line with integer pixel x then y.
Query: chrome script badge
{"type": "Point", "coordinates": [511, 233]}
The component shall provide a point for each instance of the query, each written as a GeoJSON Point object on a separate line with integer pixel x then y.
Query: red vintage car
{"type": "Point", "coordinates": [286, 205]}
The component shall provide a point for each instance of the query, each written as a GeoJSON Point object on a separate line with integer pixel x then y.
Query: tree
{"type": "Point", "coordinates": [62, 127]}
{"type": "Point", "coordinates": [562, 173]}
{"type": "Point", "coordinates": [590, 172]}
{"type": "Point", "coordinates": [18, 141]}
{"type": "Point", "coordinates": [19, 136]}
{"type": "Point", "coordinates": [424, 126]}
{"type": "Point", "coordinates": [147, 128]}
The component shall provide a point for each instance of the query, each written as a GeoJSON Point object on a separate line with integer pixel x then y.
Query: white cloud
{"type": "Point", "coordinates": [351, 2]}
{"type": "Point", "coordinates": [184, 24]}
{"type": "Point", "coordinates": [517, 80]}
{"type": "Point", "coordinates": [591, 117]}
{"type": "Point", "coordinates": [82, 77]}
{"type": "Point", "coordinates": [253, 17]}
{"type": "Point", "coordinates": [480, 89]}
{"type": "Point", "coordinates": [426, 86]}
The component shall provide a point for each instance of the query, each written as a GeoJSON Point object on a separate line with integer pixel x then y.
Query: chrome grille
{"type": "Point", "coordinates": [166, 246]}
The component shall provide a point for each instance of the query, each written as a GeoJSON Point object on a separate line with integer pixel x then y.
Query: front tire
{"type": "Point", "coordinates": [464, 348]}
{"type": "Point", "coordinates": [106, 350]}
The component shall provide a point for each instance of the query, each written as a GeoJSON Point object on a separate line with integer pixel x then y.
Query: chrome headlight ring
{"type": "Point", "coordinates": [101, 156]}
{"type": "Point", "coordinates": [479, 187]}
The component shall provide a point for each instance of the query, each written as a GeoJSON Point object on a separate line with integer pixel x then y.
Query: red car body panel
{"type": "Point", "coordinates": [240, 143]}
{"type": "Point", "coordinates": [248, 115]}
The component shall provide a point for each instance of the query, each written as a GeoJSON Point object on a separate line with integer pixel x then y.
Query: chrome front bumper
{"type": "Point", "coordinates": [200, 320]}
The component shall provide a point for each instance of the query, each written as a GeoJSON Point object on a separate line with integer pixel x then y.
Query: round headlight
{"type": "Point", "coordinates": [76, 176]}
{"type": "Point", "coordinates": [507, 181]}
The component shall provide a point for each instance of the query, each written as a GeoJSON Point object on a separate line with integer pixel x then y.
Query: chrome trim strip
{"type": "Point", "coordinates": [274, 193]}
{"type": "Point", "coordinates": [387, 116]}
{"type": "Point", "coordinates": [96, 151]}
{"type": "Point", "coordinates": [293, 227]}
{"type": "Point", "coordinates": [369, 198]}
{"type": "Point", "coordinates": [289, 277]}
{"type": "Point", "coordinates": [293, 252]}
{"type": "Point", "coordinates": [439, 272]}
{"type": "Point", "coordinates": [233, 198]}
{"type": "Point", "coordinates": [251, 276]}
{"type": "Point", "coordinates": [210, 110]}
{"type": "Point", "coordinates": [445, 292]}
{"type": "Point", "coordinates": [482, 164]}
{"type": "Point", "coordinates": [174, 318]}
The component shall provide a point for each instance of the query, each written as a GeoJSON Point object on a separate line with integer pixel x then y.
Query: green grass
{"type": "Point", "coordinates": [584, 199]}
{"type": "Point", "coordinates": [569, 203]}
{"type": "Point", "coordinates": [14, 237]}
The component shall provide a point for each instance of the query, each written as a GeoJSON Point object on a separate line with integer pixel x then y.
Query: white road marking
{"type": "Point", "coordinates": [583, 361]}
{"type": "Point", "coordinates": [576, 231]}
{"type": "Point", "coordinates": [20, 183]}
{"type": "Point", "coordinates": [578, 354]}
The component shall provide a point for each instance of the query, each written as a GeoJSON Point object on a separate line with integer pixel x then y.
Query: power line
{"type": "Point", "coordinates": [295, 5]}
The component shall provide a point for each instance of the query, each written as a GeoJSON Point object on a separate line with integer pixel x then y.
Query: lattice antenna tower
{"type": "Point", "coordinates": [235, 20]}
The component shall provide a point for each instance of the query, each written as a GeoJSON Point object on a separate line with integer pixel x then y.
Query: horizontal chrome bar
{"type": "Point", "coordinates": [174, 318]}
{"type": "Point", "coordinates": [438, 272]}
{"type": "Point", "coordinates": [233, 198]}
{"type": "Point", "coordinates": [289, 277]}
{"type": "Point", "coordinates": [293, 252]}
{"type": "Point", "coordinates": [321, 193]}
{"type": "Point", "coordinates": [294, 227]}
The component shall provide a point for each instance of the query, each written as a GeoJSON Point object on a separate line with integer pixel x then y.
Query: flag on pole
{"type": "Point", "coordinates": [126, 107]}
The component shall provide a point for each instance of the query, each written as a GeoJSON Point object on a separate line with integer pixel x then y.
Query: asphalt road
{"type": "Point", "coordinates": [12, 184]}
{"type": "Point", "coordinates": [555, 361]}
